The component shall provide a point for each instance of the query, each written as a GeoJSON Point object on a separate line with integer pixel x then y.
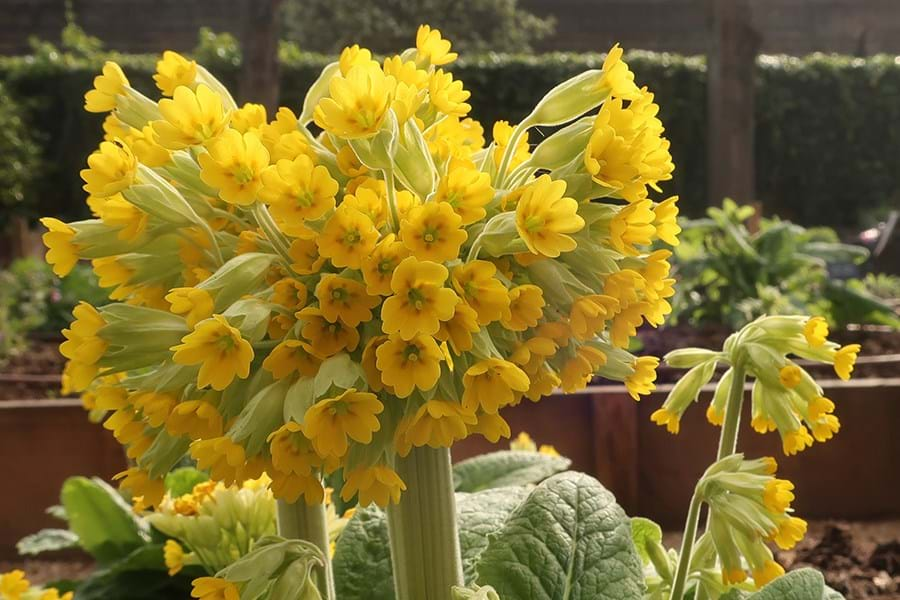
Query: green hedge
{"type": "Point", "coordinates": [828, 147]}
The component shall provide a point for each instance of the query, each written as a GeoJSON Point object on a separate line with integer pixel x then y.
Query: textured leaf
{"type": "Point", "coordinates": [480, 515]}
{"type": "Point", "coordinates": [47, 540]}
{"type": "Point", "coordinates": [802, 584]}
{"type": "Point", "coordinates": [103, 522]}
{"type": "Point", "coordinates": [506, 468]}
{"type": "Point", "coordinates": [644, 531]}
{"type": "Point", "coordinates": [362, 558]}
{"type": "Point", "coordinates": [568, 540]}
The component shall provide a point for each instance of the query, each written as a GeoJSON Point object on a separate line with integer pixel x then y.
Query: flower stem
{"type": "Point", "coordinates": [302, 521]}
{"type": "Point", "coordinates": [687, 545]}
{"type": "Point", "coordinates": [424, 538]}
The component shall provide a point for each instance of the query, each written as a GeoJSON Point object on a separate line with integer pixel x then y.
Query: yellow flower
{"type": "Point", "coordinates": [173, 556]}
{"type": "Point", "coordinates": [357, 103]}
{"type": "Point", "coordinates": [289, 293]}
{"type": "Point", "coordinates": [62, 253]}
{"type": "Point", "coordinates": [459, 329]}
{"type": "Point", "coordinates": [770, 571]}
{"type": "Point", "coordinates": [223, 458]}
{"type": "Point", "coordinates": [815, 330]}
{"type": "Point", "coordinates": [348, 237]}
{"type": "Point", "coordinates": [491, 426]}
{"type": "Point", "coordinates": [640, 381]}
{"type": "Point", "coordinates": [544, 217]}
{"type": "Point", "coordinates": [289, 356]}
{"type": "Point", "coordinates": [589, 314]}
{"type": "Point", "coordinates": [733, 576]}
{"type": "Point", "coordinates": [197, 419]}
{"type": "Point", "coordinates": [795, 441]}
{"type": "Point", "coordinates": [298, 191]}
{"type": "Point", "coordinates": [617, 77]}
{"type": "Point", "coordinates": [369, 199]}
{"type": "Point", "coordinates": [433, 231]}
{"type": "Point", "coordinates": [447, 95]}
{"type": "Point", "coordinates": [83, 347]}
{"type": "Point", "coordinates": [671, 420]}
{"type": "Point", "coordinates": [219, 349]}
{"type": "Point", "coordinates": [378, 268]}
{"type": "Point", "coordinates": [13, 584]}
{"type": "Point", "coordinates": [174, 70]}
{"type": "Point", "coordinates": [290, 486]}
{"type": "Point", "coordinates": [234, 166]}
{"type": "Point", "coordinates": [379, 484]}
{"type": "Point", "coordinates": [292, 452]}
{"type": "Point", "coordinates": [249, 117]}
{"type": "Point", "coordinates": [502, 132]}
{"type": "Point", "coordinates": [111, 169]}
{"type": "Point", "coordinates": [327, 338]}
{"type": "Point", "coordinates": [328, 423]}
{"type": "Point", "coordinates": [420, 301]}
{"type": "Point", "coordinates": [213, 588]}
{"type": "Point", "coordinates": [455, 137]}
{"type": "Point", "coordinates": [305, 254]}
{"type": "Point", "coordinates": [526, 304]}
{"type": "Point", "coordinates": [194, 303]}
{"type": "Point", "coordinates": [578, 371]}
{"type": "Point", "coordinates": [349, 164]}
{"type": "Point", "coordinates": [845, 359]}
{"type": "Point", "coordinates": [790, 376]}
{"type": "Point", "coordinates": [139, 483]}
{"type": "Point", "coordinates": [119, 213]}
{"type": "Point", "coordinates": [155, 406]}
{"type": "Point", "coordinates": [352, 56]}
{"type": "Point", "coordinates": [405, 72]}
{"type": "Point", "coordinates": [437, 424]}
{"type": "Point", "coordinates": [467, 190]}
{"type": "Point", "coordinates": [477, 284]}
{"type": "Point", "coordinates": [824, 428]}
{"type": "Point", "coordinates": [790, 530]}
{"type": "Point", "coordinates": [109, 84]}
{"type": "Point", "coordinates": [431, 48]}
{"type": "Point", "coordinates": [666, 220]}
{"type": "Point", "coordinates": [408, 364]}
{"type": "Point", "coordinates": [777, 495]}
{"type": "Point", "coordinates": [632, 226]}
{"type": "Point", "coordinates": [190, 118]}
{"type": "Point", "coordinates": [491, 384]}
{"type": "Point", "coordinates": [626, 322]}
{"type": "Point", "coordinates": [345, 299]}
{"type": "Point", "coordinates": [148, 152]}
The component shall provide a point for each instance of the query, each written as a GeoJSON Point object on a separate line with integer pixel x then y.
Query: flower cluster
{"type": "Point", "coordinates": [785, 397]}
{"type": "Point", "coordinates": [292, 303]}
{"type": "Point", "coordinates": [15, 586]}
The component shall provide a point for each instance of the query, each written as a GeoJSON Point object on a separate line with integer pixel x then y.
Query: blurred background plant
{"type": "Point", "coordinates": [21, 161]}
{"type": "Point", "coordinates": [728, 275]}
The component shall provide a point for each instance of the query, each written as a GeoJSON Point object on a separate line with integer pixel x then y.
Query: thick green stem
{"type": "Point", "coordinates": [304, 522]}
{"type": "Point", "coordinates": [424, 538]}
{"type": "Point", "coordinates": [687, 546]}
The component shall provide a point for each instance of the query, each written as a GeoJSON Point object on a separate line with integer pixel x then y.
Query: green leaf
{"type": "Point", "coordinates": [802, 584]}
{"type": "Point", "coordinates": [140, 575]}
{"type": "Point", "coordinates": [569, 540]}
{"type": "Point", "coordinates": [644, 531]}
{"type": "Point", "coordinates": [102, 520]}
{"type": "Point", "coordinates": [338, 370]}
{"type": "Point", "coordinates": [480, 515]}
{"type": "Point", "coordinates": [362, 558]}
{"type": "Point", "coordinates": [182, 481]}
{"type": "Point", "coordinates": [47, 540]}
{"type": "Point", "coordinates": [506, 468]}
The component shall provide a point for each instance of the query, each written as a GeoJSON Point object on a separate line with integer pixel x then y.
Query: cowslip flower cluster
{"type": "Point", "coordinates": [291, 303]}
{"type": "Point", "coordinates": [785, 397]}
{"type": "Point", "coordinates": [14, 585]}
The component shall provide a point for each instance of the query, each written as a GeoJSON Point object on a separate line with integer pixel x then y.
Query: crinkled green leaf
{"type": "Point", "coordinates": [644, 531]}
{"type": "Point", "coordinates": [481, 514]}
{"type": "Point", "coordinates": [47, 540]}
{"type": "Point", "coordinates": [362, 558]}
{"type": "Point", "coordinates": [802, 584]}
{"type": "Point", "coordinates": [568, 540]}
{"type": "Point", "coordinates": [506, 468]}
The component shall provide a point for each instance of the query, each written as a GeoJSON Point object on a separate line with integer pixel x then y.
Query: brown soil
{"type": "Point", "coordinates": [33, 373]}
{"type": "Point", "coordinates": [41, 571]}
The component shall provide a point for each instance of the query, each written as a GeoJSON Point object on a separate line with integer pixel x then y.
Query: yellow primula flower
{"type": "Point", "coordinates": [219, 349]}
{"type": "Point", "coordinates": [437, 424]}
{"type": "Point", "coordinates": [213, 588]}
{"type": "Point", "coordinates": [357, 103]}
{"type": "Point", "coordinates": [348, 237]}
{"type": "Point", "coordinates": [448, 95]}
{"type": "Point", "coordinates": [459, 329]}
{"type": "Point", "coordinates": [770, 571]}
{"type": "Point", "coordinates": [349, 164]}
{"type": "Point", "coordinates": [369, 199]}
{"type": "Point", "coordinates": [795, 441]}
{"type": "Point", "coordinates": [290, 486]}
{"type": "Point", "coordinates": [491, 384]}
{"type": "Point", "coordinates": [578, 371]}
{"type": "Point", "coordinates": [289, 293]}
{"type": "Point", "coordinates": [790, 376]}
{"type": "Point", "coordinates": [155, 406]}
{"type": "Point", "coordinates": [325, 337]}
{"type": "Point", "coordinates": [194, 303]}
{"type": "Point", "coordinates": [83, 347]}
{"type": "Point", "coordinates": [234, 165]}
{"type": "Point", "coordinates": [666, 220]}
{"type": "Point", "coordinates": [379, 484]}
{"type": "Point", "coordinates": [671, 420]}
{"type": "Point", "coordinates": [420, 302]}
{"type": "Point", "coordinates": [298, 191]}
{"type": "Point", "coordinates": [221, 456]}
{"type": "Point", "coordinates": [190, 118]}
{"type": "Point", "coordinates": [502, 133]}
{"type": "Point", "coordinates": [305, 254]}
{"type": "Point", "coordinates": [431, 48]}
{"type": "Point", "coordinates": [292, 452]}
{"type": "Point", "coordinates": [466, 190]}
{"type": "Point", "coordinates": [632, 226]}
{"type": "Point", "coordinates": [62, 253]}
{"type": "Point", "coordinates": [196, 419]}
{"type": "Point", "coordinates": [139, 483]}
{"type": "Point", "coordinates": [111, 169]}
{"type": "Point", "coordinates": [790, 530]}
{"type": "Point", "coordinates": [617, 76]}
{"type": "Point", "coordinates": [378, 268]}
{"type": "Point", "coordinates": [109, 84]}
{"type": "Point", "coordinates": [491, 426]}
{"type": "Point", "coordinates": [352, 56]}
{"type": "Point", "coordinates": [478, 285]}
{"type": "Point", "coordinates": [815, 330]}
{"type": "Point", "coordinates": [626, 322]}
{"type": "Point", "coordinates": [589, 314]}
{"type": "Point", "coordinates": [328, 423]}
{"type": "Point", "coordinates": [290, 356]}
{"type": "Point", "coordinates": [640, 381]}
{"type": "Point", "coordinates": [433, 231]}
{"type": "Point", "coordinates": [409, 364]}
{"type": "Point", "coordinates": [526, 304]}
{"type": "Point", "coordinates": [544, 217]}
{"type": "Point", "coordinates": [405, 72]}
{"type": "Point", "coordinates": [13, 584]}
{"type": "Point", "coordinates": [453, 137]}
{"type": "Point", "coordinates": [845, 359]}
{"type": "Point", "coordinates": [174, 70]}
{"type": "Point", "coordinates": [777, 495]}
{"type": "Point", "coordinates": [345, 299]}
{"type": "Point", "coordinates": [249, 117]}
{"type": "Point", "coordinates": [173, 557]}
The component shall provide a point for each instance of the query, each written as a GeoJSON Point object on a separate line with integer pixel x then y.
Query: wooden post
{"type": "Point", "coordinates": [731, 64]}
{"type": "Point", "coordinates": [259, 78]}
{"type": "Point", "coordinates": [616, 448]}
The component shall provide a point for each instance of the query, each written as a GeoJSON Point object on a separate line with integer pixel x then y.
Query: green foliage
{"type": "Point", "coordinates": [182, 480]}
{"type": "Point", "coordinates": [506, 468]}
{"type": "Point", "coordinates": [727, 275]}
{"type": "Point", "coordinates": [480, 515]}
{"type": "Point", "coordinates": [472, 25]}
{"type": "Point", "coordinates": [47, 540]}
{"type": "Point", "coordinates": [802, 584]}
{"type": "Point", "coordinates": [645, 532]}
{"type": "Point", "coordinates": [139, 575]}
{"type": "Point", "coordinates": [217, 50]}
{"type": "Point", "coordinates": [568, 539]}
{"type": "Point", "coordinates": [21, 163]}
{"type": "Point", "coordinates": [362, 558]}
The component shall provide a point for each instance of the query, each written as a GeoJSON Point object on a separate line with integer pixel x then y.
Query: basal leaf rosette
{"type": "Point", "coordinates": [290, 302]}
